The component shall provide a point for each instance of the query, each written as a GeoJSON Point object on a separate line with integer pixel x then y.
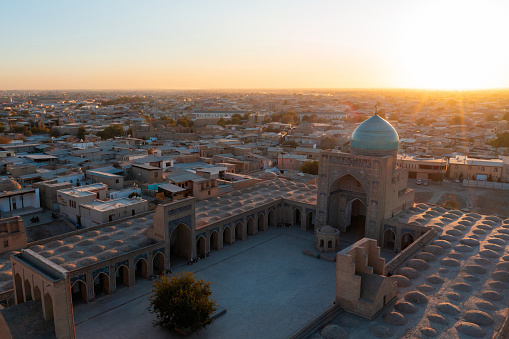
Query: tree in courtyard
{"type": "Point", "coordinates": [181, 302]}
{"type": "Point", "coordinates": [81, 133]}
{"type": "Point", "coordinates": [451, 203]}
{"type": "Point", "coordinates": [310, 167]}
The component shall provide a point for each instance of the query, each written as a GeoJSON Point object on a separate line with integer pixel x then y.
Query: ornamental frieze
{"type": "Point", "coordinates": [356, 162]}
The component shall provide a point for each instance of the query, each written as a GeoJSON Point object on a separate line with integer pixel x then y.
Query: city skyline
{"type": "Point", "coordinates": [264, 45]}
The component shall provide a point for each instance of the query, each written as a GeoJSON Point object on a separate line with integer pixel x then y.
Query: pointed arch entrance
{"type": "Point", "coordinates": [355, 220]}
{"type": "Point", "coordinates": [214, 240]}
{"type": "Point", "coordinates": [227, 236]}
{"type": "Point", "coordinates": [28, 290]}
{"type": "Point", "coordinates": [158, 263]}
{"type": "Point", "coordinates": [141, 269]}
{"type": "Point", "coordinates": [251, 226]}
{"type": "Point", "coordinates": [180, 241]}
{"type": "Point", "coordinates": [48, 307]}
{"type": "Point", "coordinates": [122, 276]}
{"type": "Point", "coordinates": [239, 231]}
{"type": "Point", "coordinates": [79, 292]}
{"type": "Point", "coordinates": [261, 222]}
{"type": "Point", "coordinates": [406, 240]}
{"type": "Point", "coordinates": [201, 246]}
{"type": "Point", "coordinates": [389, 239]}
{"type": "Point", "coordinates": [310, 221]}
{"type": "Point", "coordinates": [272, 218]}
{"type": "Point", "coordinates": [296, 217]}
{"type": "Point", "coordinates": [347, 205]}
{"type": "Point", "coordinates": [101, 285]}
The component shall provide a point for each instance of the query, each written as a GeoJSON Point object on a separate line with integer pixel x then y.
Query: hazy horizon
{"type": "Point", "coordinates": [267, 45]}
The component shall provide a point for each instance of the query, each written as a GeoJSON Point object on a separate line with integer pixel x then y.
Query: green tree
{"type": "Point", "coordinates": [235, 120]}
{"type": "Point", "coordinates": [181, 302]}
{"type": "Point", "coordinates": [292, 144]}
{"type": "Point", "coordinates": [329, 142]}
{"type": "Point", "coordinates": [81, 133]}
{"type": "Point", "coordinates": [502, 140]}
{"type": "Point", "coordinates": [246, 116]}
{"type": "Point", "coordinates": [111, 131]}
{"type": "Point", "coordinates": [185, 122]}
{"type": "Point", "coordinates": [167, 120]}
{"type": "Point", "coordinates": [221, 122]}
{"type": "Point", "coordinates": [133, 195]}
{"type": "Point", "coordinates": [310, 167]}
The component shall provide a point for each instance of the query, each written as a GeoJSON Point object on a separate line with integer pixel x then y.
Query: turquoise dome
{"type": "Point", "coordinates": [375, 136]}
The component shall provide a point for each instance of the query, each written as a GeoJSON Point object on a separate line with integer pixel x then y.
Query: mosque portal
{"type": "Point", "coordinates": [357, 190]}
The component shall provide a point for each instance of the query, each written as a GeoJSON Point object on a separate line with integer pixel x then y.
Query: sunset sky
{"type": "Point", "coordinates": [191, 44]}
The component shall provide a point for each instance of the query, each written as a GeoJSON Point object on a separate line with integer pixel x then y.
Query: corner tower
{"type": "Point", "coordinates": [357, 190]}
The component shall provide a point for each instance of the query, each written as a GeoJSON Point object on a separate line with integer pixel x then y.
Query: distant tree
{"type": "Point", "coordinates": [5, 140]}
{"type": "Point", "coordinates": [291, 144]}
{"type": "Point", "coordinates": [133, 195]}
{"type": "Point", "coordinates": [111, 131]}
{"type": "Point", "coordinates": [265, 121]}
{"type": "Point", "coordinates": [235, 120]}
{"type": "Point", "coordinates": [185, 122]}
{"type": "Point", "coordinates": [502, 140]}
{"type": "Point", "coordinates": [457, 120]}
{"type": "Point", "coordinates": [329, 142]}
{"type": "Point", "coordinates": [505, 116]}
{"type": "Point", "coordinates": [491, 117]}
{"type": "Point", "coordinates": [237, 115]}
{"type": "Point", "coordinates": [181, 302]}
{"type": "Point", "coordinates": [246, 116]}
{"type": "Point", "coordinates": [81, 133]}
{"type": "Point", "coordinates": [248, 140]}
{"type": "Point", "coordinates": [167, 120]}
{"type": "Point", "coordinates": [55, 133]}
{"type": "Point", "coordinates": [3, 128]}
{"type": "Point", "coordinates": [221, 122]}
{"type": "Point", "coordinates": [310, 167]}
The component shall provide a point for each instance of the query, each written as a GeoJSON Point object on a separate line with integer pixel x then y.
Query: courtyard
{"type": "Point", "coordinates": [268, 287]}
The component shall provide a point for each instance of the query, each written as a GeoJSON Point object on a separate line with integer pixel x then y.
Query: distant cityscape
{"type": "Point", "coordinates": [312, 213]}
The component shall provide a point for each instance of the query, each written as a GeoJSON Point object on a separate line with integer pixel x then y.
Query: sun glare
{"type": "Point", "coordinates": [457, 47]}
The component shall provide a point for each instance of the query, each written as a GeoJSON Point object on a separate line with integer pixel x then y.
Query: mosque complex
{"type": "Point", "coordinates": [447, 277]}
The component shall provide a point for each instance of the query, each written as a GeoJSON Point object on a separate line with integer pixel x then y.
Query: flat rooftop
{"type": "Point", "coordinates": [82, 191]}
{"type": "Point", "coordinates": [111, 204]}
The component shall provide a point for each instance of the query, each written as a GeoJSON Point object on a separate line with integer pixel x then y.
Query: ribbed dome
{"type": "Point", "coordinates": [328, 230]}
{"type": "Point", "coordinates": [375, 136]}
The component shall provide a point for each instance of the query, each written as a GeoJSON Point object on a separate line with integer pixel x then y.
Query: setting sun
{"type": "Point", "coordinates": [455, 46]}
{"type": "Point", "coordinates": [264, 44]}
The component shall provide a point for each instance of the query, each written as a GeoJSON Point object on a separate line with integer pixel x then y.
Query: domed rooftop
{"type": "Point", "coordinates": [268, 175]}
{"type": "Point", "coordinates": [328, 230]}
{"type": "Point", "coordinates": [9, 185]}
{"type": "Point", "coordinates": [375, 136]}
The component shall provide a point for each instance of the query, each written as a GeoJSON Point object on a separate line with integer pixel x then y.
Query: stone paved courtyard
{"type": "Point", "coordinates": [268, 287]}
